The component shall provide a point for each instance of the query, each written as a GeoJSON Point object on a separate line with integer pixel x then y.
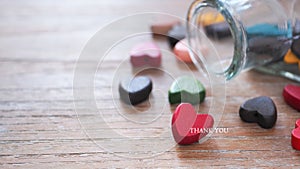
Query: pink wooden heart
{"type": "Point", "coordinates": [145, 54]}
{"type": "Point", "coordinates": [187, 126]}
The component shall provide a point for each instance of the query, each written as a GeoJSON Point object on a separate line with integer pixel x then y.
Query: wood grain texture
{"type": "Point", "coordinates": [40, 42]}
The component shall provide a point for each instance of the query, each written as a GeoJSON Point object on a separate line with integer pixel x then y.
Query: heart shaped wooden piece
{"type": "Point", "coordinates": [291, 95]}
{"type": "Point", "coordinates": [296, 47]}
{"type": "Point", "coordinates": [296, 136]}
{"type": "Point", "coordinates": [186, 89]}
{"type": "Point", "coordinates": [177, 33]}
{"type": "Point", "coordinates": [219, 30]}
{"type": "Point", "coordinates": [290, 57]}
{"type": "Point", "coordinates": [160, 27]}
{"type": "Point", "coordinates": [189, 127]}
{"type": "Point", "coordinates": [181, 51]}
{"type": "Point", "coordinates": [136, 90]}
{"type": "Point", "coordinates": [145, 54]}
{"type": "Point", "coordinates": [260, 110]}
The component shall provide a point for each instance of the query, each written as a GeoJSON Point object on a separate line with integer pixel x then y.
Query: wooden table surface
{"type": "Point", "coordinates": [41, 126]}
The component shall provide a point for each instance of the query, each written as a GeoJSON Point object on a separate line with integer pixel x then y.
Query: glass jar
{"type": "Point", "coordinates": [252, 33]}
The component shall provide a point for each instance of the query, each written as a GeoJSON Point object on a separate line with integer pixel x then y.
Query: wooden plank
{"type": "Point", "coordinates": [40, 127]}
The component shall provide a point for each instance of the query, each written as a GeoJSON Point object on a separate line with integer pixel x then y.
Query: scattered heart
{"type": "Point", "coordinates": [296, 136]}
{"type": "Point", "coordinates": [291, 95]}
{"type": "Point", "coordinates": [136, 90]}
{"type": "Point", "coordinates": [188, 127]}
{"type": "Point", "coordinates": [186, 89]}
{"type": "Point", "coordinates": [177, 33]}
{"type": "Point", "coordinates": [260, 110]}
{"type": "Point", "coordinates": [163, 27]}
{"type": "Point", "coordinates": [181, 51]}
{"type": "Point", "coordinates": [145, 54]}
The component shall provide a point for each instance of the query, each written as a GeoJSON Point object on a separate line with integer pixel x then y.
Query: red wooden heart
{"type": "Point", "coordinates": [296, 136]}
{"type": "Point", "coordinates": [291, 95]}
{"type": "Point", "coordinates": [145, 54]}
{"type": "Point", "coordinates": [187, 126]}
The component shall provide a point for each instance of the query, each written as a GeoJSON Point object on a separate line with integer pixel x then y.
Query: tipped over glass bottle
{"type": "Point", "coordinates": [240, 34]}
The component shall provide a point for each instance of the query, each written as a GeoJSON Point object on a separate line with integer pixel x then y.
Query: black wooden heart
{"type": "Point", "coordinates": [260, 110]}
{"type": "Point", "coordinates": [296, 47]}
{"type": "Point", "coordinates": [136, 90]}
{"type": "Point", "coordinates": [218, 30]}
{"type": "Point", "coordinates": [177, 33]}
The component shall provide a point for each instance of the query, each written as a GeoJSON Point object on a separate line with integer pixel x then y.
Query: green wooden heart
{"type": "Point", "coordinates": [186, 90]}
